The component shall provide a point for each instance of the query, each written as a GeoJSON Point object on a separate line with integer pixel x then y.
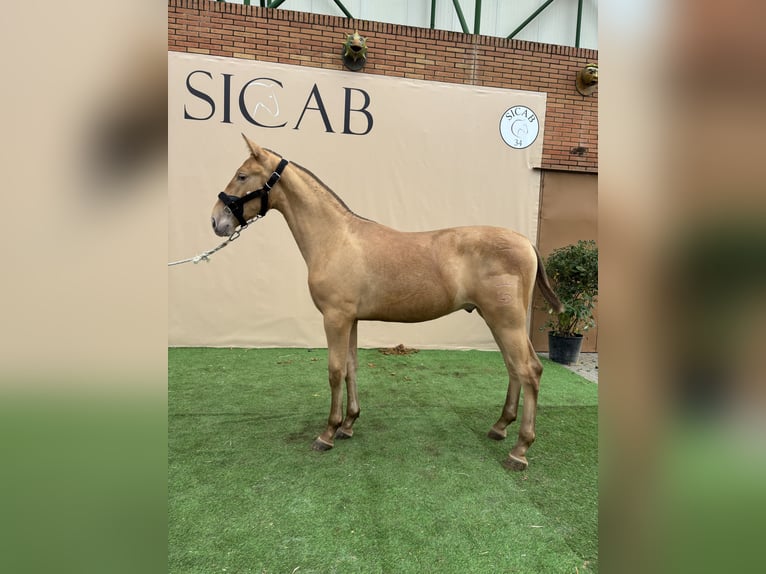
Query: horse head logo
{"type": "Point", "coordinates": [266, 98]}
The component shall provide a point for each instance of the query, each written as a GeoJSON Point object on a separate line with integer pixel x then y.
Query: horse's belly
{"type": "Point", "coordinates": [405, 306]}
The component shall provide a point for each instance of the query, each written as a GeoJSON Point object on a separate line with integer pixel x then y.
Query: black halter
{"type": "Point", "coordinates": [236, 205]}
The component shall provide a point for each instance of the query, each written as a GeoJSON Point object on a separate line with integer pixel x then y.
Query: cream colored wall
{"type": "Point", "coordinates": [434, 158]}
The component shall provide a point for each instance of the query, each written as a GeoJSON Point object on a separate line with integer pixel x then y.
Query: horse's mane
{"type": "Point", "coordinates": [321, 183]}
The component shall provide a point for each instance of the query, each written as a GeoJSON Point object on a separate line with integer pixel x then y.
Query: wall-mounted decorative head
{"type": "Point", "coordinates": [355, 51]}
{"type": "Point", "coordinates": [587, 79]}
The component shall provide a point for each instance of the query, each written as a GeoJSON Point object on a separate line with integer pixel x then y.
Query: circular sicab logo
{"type": "Point", "coordinates": [519, 127]}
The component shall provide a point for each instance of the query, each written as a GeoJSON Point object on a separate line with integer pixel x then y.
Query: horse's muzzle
{"type": "Point", "coordinates": [221, 229]}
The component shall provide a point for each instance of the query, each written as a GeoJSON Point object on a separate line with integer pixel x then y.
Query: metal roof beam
{"type": "Point", "coordinates": [463, 25]}
{"type": "Point", "coordinates": [534, 15]}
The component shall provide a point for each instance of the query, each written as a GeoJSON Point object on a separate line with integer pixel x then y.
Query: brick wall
{"type": "Point", "coordinates": [299, 38]}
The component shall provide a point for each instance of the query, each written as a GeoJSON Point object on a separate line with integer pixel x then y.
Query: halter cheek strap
{"type": "Point", "coordinates": [236, 205]}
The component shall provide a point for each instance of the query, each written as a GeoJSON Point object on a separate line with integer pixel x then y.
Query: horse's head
{"type": "Point", "coordinates": [247, 186]}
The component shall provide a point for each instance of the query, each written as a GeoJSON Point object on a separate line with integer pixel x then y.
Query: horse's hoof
{"type": "Point", "coordinates": [320, 445]}
{"type": "Point", "coordinates": [496, 435]}
{"type": "Point", "coordinates": [344, 434]}
{"type": "Point", "coordinates": [515, 463]}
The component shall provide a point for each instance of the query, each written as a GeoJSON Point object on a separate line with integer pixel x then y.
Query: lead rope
{"type": "Point", "coordinates": [207, 254]}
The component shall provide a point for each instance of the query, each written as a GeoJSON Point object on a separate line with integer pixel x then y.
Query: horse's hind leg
{"type": "Point", "coordinates": [352, 399]}
{"type": "Point", "coordinates": [517, 459]}
{"type": "Point", "coordinates": [498, 430]}
{"type": "Point", "coordinates": [524, 370]}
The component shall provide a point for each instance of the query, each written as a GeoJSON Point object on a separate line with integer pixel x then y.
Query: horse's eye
{"type": "Point", "coordinates": [241, 177]}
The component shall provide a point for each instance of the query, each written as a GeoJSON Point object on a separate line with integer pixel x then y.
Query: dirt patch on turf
{"type": "Point", "coordinates": [398, 350]}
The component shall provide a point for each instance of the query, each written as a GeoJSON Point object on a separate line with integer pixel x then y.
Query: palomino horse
{"type": "Point", "coordinates": [361, 270]}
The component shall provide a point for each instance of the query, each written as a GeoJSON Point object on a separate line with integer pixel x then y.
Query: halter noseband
{"type": "Point", "coordinates": [236, 205]}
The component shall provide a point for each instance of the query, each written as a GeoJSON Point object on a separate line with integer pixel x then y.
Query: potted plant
{"type": "Point", "coordinates": [573, 271]}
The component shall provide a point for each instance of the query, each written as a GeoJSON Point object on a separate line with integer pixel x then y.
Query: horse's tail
{"type": "Point", "coordinates": [544, 284]}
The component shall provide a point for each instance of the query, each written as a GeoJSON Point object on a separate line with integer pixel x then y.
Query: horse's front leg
{"type": "Point", "coordinates": [352, 399]}
{"type": "Point", "coordinates": [338, 331]}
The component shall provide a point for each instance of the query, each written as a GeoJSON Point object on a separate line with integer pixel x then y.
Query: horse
{"type": "Point", "coordinates": [360, 270]}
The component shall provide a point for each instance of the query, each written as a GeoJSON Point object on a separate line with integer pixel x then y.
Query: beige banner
{"type": "Point", "coordinates": [410, 154]}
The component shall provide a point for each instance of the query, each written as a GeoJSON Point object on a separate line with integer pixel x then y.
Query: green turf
{"type": "Point", "coordinates": [419, 488]}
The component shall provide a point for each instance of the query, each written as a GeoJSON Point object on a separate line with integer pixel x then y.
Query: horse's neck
{"type": "Point", "coordinates": [314, 215]}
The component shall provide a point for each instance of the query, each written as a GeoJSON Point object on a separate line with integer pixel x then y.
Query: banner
{"type": "Point", "coordinates": [410, 154]}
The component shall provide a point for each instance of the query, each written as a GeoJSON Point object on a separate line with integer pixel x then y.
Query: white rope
{"type": "Point", "coordinates": [207, 254]}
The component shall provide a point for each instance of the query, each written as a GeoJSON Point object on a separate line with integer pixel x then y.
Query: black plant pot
{"type": "Point", "coordinates": [564, 349]}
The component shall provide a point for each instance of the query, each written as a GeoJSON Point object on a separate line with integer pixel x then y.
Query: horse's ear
{"type": "Point", "coordinates": [255, 149]}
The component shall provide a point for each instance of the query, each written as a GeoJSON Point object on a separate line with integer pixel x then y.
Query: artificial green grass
{"type": "Point", "coordinates": [419, 488]}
